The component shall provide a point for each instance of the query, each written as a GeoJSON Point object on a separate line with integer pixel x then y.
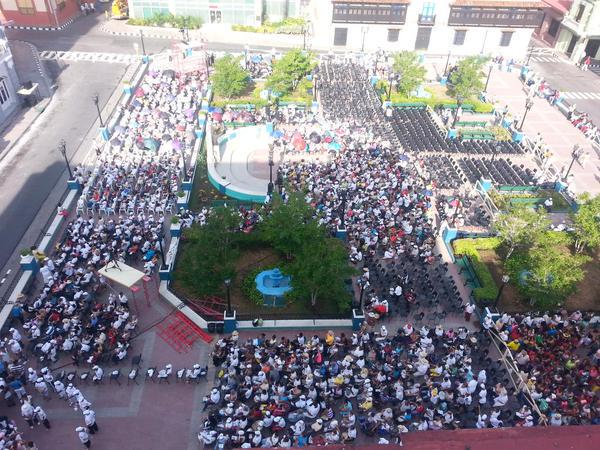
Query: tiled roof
{"type": "Point", "coordinates": [500, 3]}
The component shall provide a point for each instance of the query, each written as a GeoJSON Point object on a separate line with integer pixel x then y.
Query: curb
{"type": "Point", "coordinates": [106, 29]}
{"type": "Point", "coordinates": [33, 28]}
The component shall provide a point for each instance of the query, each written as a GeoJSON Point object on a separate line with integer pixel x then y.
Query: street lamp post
{"type": "Point", "coordinates": [270, 185]}
{"type": "Point", "coordinates": [184, 164]}
{"type": "Point", "coordinates": [529, 56]}
{"type": "Point", "coordinates": [314, 88]}
{"type": "Point", "coordinates": [362, 291]}
{"type": "Point", "coordinates": [206, 57]}
{"type": "Point", "coordinates": [62, 148]}
{"type": "Point", "coordinates": [246, 50]}
{"type": "Point", "coordinates": [142, 41]}
{"type": "Point", "coordinates": [505, 279]}
{"type": "Point", "coordinates": [574, 156]}
{"type": "Point", "coordinates": [228, 286]}
{"type": "Point", "coordinates": [458, 106]}
{"type": "Point", "coordinates": [364, 30]}
{"type": "Point", "coordinates": [488, 77]}
{"type": "Point", "coordinates": [162, 252]}
{"type": "Point", "coordinates": [390, 81]}
{"type": "Point", "coordinates": [279, 182]}
{"type": "Point", "coordinates": [95, 99]}
{"type": "Point", "coordinates": [343, 195]}
{"type": "Point", "coordinates": [528, 105]}
{"type": "Point", "coordinates": [447, 63]}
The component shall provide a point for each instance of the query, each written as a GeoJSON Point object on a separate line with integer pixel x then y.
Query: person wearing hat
{"type": "Point", "coordinates": [89, 416]}
{"type": "Point", "coordinates": [40, 416]}
{"type": "Point", "coordinates": [84, 437]}
{"type": "Point", "coordinates": [27, 411]}
{"type": "Point", "coordinates": [42, 388]}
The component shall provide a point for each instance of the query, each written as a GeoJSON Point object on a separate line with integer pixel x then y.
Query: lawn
{"type": "Point", "coordinates": [439, 96]}
{"type": "Point", "coordinates": [251, 95]}
{"type": "Point", "coordinates": [203, 192]}
{"type": "Point", "coordinates": [587, 297]}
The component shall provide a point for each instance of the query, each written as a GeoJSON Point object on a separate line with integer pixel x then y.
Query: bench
{"type": "Point", "coordinates": [474, 124]}
{"type": "Point", "coordinates": [465, 107]}
{"type": "Point", "coordinates": [410, 105]}
{"type": "Point", "coordinates": [482, 135]}
{"type": "Point", "coordinates": [466, 266]}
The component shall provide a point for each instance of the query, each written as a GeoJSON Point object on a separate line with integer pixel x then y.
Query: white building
{"type": "Point", "coordinates": [9, 81]}
{"type": "Point", "coordinates": [580, 30]}
{"type": "Point", "coordinates": [460, 27]}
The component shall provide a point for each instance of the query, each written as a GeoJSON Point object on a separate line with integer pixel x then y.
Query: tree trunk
{"type": "Point", "coordinates": [313, 298]}
{"type": "Point", "coordinates": [579, 246]}
{"type": "Point", "coordinates": [510, 251]}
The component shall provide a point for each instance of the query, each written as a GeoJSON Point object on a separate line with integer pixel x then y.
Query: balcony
{"type": "Point", "coordinates": [495, 17]}
{"type": "Point", "coordinates": [426, 19]}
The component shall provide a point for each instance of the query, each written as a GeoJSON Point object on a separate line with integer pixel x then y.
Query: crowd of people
{"type": "Point", "coordinates": [569, 345]}
{"type": "Point", "coordinates": [317, 390]}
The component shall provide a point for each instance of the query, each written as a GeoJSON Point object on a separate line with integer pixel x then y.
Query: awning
{"type": "Point", "coordinates": [121, 273]}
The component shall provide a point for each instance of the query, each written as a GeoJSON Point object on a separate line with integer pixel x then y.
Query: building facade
{"type": "Point", "coordinates": [9, 82]}
{"type": "Point", "coordinates": [580, 30]}
{"type": "Point", "coordinates": [460, 27]}
{"type": "Point", "coordinates": [39, 13]}
{"type": "Point", "coordinates": [243, 12]}
{"type": "Point", "coordinates": [554, 13]}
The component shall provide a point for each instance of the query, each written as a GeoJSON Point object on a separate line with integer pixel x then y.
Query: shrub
{"type": "Point", "coordinates": [470, 247]}
{"type": "Point", "coordinates": [175, 220]}
{"type": "Point", "coordinates": [248, 286]}
{"type": "Point", "coordinates": [167, 19]}
{"type": "Point", "coordinates": [25, 252]}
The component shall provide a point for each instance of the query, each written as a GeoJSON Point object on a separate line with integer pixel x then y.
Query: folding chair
{"type": "Point", "coordinates": [133, 374]}
{"type": "Point", "coordinates": [114, 376]}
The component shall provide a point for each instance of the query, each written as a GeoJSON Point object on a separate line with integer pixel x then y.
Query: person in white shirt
{"type": "Point", "coordinates": [89, 416]}
{"type": "Point", "coordinates": [84, 437]}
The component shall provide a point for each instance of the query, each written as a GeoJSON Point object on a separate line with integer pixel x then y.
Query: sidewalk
{"type": "Point", "coordinates": [555, 129]}
{"type": "Point", "coordinates": [211, 33]}
{"type": "Point", "coordinates": [29, 68]}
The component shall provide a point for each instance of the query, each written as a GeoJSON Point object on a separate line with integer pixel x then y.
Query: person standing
{"type": "Point", "coordinates": [586, 63]}
{"type": "Point", "coordinates": [27, 412]}
{"type": "Point", "coordinates": [468, 311]}
{"type": "Point", "coordinates": [90, 420]}
{"type": "Point", "coordinates": [41, 417]}
{"type": "Point", "coordinates": [84, 437]}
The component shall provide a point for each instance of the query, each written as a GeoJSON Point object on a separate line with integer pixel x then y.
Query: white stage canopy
{"type": "Point", "coordinates": [121, 273]}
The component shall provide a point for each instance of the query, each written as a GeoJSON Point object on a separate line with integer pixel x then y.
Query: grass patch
{"type": "Point", "coordinates": [439, 97]}
{"type": "Point", "coordinates": [291, 25]}
{"type": "Point", "coordinates": [251, 96]}
{"type": "Point", "coordinates": [470, 247]}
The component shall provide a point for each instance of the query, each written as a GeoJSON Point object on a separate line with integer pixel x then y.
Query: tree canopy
{"type": "Point", "coordinates": [289, 71]}
{"type": "Point", "coordinates": [547, 273]}
{"type": "Point", "coordinates": [520, 227]}
{"type": "Point", "coordinates": [229, 78]}
{"type": "Point", "coordinates": [410, 73]}
{"type": "Point", "coordinates": [466, 80]}
{"type": "Point", "coordinates": [586, 222]}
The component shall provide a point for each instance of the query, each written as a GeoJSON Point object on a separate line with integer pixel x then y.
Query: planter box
{"type": "Point", "coordinates": [29, 263]}
{"type": "Point", "coordinates": [73, 184]}
{"type": "Point", "coordinates": [164, 274]}
{"type": "Point", "coordinates": [230, 322]}
{"type": "Point", "coordinates": [186, 185]}
{"type": "Point", "coordinates": [175, 229]}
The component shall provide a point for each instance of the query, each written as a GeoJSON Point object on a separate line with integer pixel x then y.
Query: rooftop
{"type": "Point", "coordinates": [501, 3]}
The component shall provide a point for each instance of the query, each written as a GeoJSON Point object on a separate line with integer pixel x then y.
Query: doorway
{"type": "Point", "coordinates": [592, 48]}
{"type": "Point", "coordinates": [572, 44]}
{"type": "Point", "coordinates": [423, 37]}
{"type": "Point", "coordinates": [215, 16]}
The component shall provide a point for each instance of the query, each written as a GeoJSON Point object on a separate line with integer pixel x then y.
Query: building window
{"type": "Point", "coordinates": [393, 34]}
{"type": "Point", "coordinates": [505, 39]}
{"type": "Point", "coordinates": [4, 93]}
{"type": "Point", "coordinates": [428, 9]}
{"type": "Point", "coordinates": [553, 28]}
{"type": "Point", "coordinates": [341, 36]}
{"type": "Point", "coordinates": [459, 37]}
{"type": "Point", "coordinates": [580, 12]}
{"type": "Point", "coordinates": [26, 7]}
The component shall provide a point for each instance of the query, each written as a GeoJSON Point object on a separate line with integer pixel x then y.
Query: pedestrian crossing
{"type": "Point", "coordinates": [581, 95]}
{"type": "Point", "coordinates": [548, 59]}
{"type": "Point", "coordinates": [115, 58]}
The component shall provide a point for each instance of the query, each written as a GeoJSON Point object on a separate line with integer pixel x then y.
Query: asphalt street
{"type": "Point", "coordinates": [34, 166]}
{"type": "Point", "coordinates": [580, 87]}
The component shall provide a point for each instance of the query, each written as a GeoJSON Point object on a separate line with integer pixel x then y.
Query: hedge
{"type": "Point", "coordinates": [470, 247]}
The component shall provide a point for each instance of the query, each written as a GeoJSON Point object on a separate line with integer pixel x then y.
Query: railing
{"type": "Point", "coordinates": [426, 19]}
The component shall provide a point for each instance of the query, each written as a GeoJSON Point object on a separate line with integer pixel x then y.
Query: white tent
{"type": "Point", "coordinates": [121, 273]}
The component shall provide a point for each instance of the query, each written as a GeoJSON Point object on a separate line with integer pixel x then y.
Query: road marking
{"type": "Point", "coordinates": [119, 58]}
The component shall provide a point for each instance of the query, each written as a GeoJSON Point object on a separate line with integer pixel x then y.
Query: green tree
{"type": "Point", "coordinates": [229, 78]}
{"type": "Point", "coordinates": [319, 270]}
{"type": "Point", "coordinates": [290, 224]}
{"type": "Point", "coordinates": [548, 272]}
{"type": "Point", "coordinates": [290, 70]}
{"type": "Point", "coordinates": [519, 227]}
{"type": "Point", "coordinates": [209, 258]}
{"type": "Point", "coordinates": [586, 222]}
{"type": "Point", "coordinates": [466, 81]}
{"type": "Point", "coordinates": [410, 73]}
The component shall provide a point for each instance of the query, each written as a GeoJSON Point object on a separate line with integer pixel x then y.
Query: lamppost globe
{"type": "Point", "coordinates": [505, 279]}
